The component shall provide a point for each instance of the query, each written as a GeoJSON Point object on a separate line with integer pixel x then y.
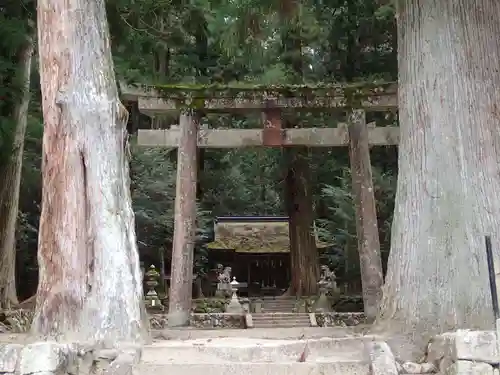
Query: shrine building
{"type": "Point", "coordinates": [257, 248]}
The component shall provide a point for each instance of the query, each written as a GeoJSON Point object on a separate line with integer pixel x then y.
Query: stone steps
{"type": "Point", "coordinates": [277, 310]}
{"type": "Point", "coordinates": [326, 368]}
{"type": "Point", "coordinates": [284, 306]}
{"type": "Point", "coordinates": [229, 356]}
{"type": "Point", "coordinates": [271, 320]}
{"type": "Point", "coordinates": [279, 305]}
{"type": "Point", "coordinates": [246, 349]}
{"type": "Point", "coordinates": [285, 324]}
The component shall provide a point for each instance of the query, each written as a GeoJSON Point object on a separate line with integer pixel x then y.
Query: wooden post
{"type": "Point", "coordinates": [366, 214]}
{"type": "Point", "coordinates": [163, 283]}
{"type": "Point", "coordinates": [181, 283]}
{"type": "Point", "coordinates": [273, 133]}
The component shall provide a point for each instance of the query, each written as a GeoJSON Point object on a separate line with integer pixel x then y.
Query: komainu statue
{"type": "Point", "coordinates": [225, 276]}
{"type": "Point", "coordinates": [224, 284]}
{"type": "Point", "coordinates": [328, 280]}
{"type": "Point", "coordinates": [328, 290]}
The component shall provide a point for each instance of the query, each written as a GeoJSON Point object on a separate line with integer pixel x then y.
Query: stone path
{"type": "Point", "coordinates": [263, 333]}
{"type": "Point", "coordinates": [329, 351]}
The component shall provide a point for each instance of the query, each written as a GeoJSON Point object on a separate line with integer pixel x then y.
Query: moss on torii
{"type": "Point", "coordinates": [193, 96]}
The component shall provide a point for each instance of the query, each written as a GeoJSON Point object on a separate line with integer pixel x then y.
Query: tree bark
{"type": "Point", "coordinates": [372, 277]}
{"type": "Point", "coordinates": [181, 281]}
{"type": "Point", "coordinates": [11, 182]}
{"type": "Point", "coordinates": [90, 284]}
{"type": "Point", "coordinates": [304, 260]}
{"type": "Point", "coordinates": [449, 174]}
{"type": "Point", "coordinates": [200, 169]}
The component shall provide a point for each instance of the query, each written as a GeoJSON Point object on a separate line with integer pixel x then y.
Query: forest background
{"type": "Point", "coordinates": [203, 42]}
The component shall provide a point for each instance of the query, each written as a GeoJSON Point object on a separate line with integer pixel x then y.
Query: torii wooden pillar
{"type": "Point", "coordinates": [370, 260]}
{"type": "Point", "coordinates": [181, 273]}
{"type": "Point", "coordinates": [356, 135]}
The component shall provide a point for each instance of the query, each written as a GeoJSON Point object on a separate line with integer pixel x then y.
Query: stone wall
{"type": "Point", "coordinates": [18, 321]}
{"type": "Point", "coordinates": [463, 352]}
{"type": "Point", "coordinates": [336, 319]}
{"type": "Point", "coordinates": [51, 358]}
{"type": "Point", "coordinates": [209, 320]}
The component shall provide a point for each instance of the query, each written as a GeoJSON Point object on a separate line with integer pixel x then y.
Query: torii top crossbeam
{"type": "Point", "coordinates": [244, 98]}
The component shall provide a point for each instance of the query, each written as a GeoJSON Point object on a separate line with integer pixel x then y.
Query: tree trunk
{"type": "Point", "coordinates": [181, 281]}
{"type": "Point", "coordinates": [304, 258]}
{"type": "Point", "coordinates": [11, 182]}
{"type": "Point", "coordinates": [89, 276]}
{"type": "Point", "coordinates": [370, 261]}
{"type": "Point", "coordinates": [304, 261]}
{"type": "Point", "coordinates": [200, 169]}
{"type": "Point", "coordinates": [449, 175]}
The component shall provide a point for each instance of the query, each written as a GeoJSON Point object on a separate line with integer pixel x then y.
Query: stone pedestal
{"type": "Point", "coordinates": [223, 290]}
{"type": "Point", "coordinates": [245, 304]}
{"type": "Point", "coordinates": [257, 306]}
{"type": "Point", "coordinates": [323, 304]}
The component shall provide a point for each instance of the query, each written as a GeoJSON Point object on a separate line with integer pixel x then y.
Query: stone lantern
{"type": "Point", "coordinates": [152, 300]}
{"type": "Point", "coordinates": [234, 306]}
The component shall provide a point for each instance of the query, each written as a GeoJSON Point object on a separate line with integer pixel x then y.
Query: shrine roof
{"type": "Point", "coordinates": [254, 234]}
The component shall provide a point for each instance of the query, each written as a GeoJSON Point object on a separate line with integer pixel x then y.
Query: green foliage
{"type": "Point", "coordinates": [209, 305]}
{"type": "Point", "coordinates": [243, 182]}
{"type": "Point", "coordinates": [340, 224]}
{"type": "Point", "coordinates": [153, 196]}
{"type": "Point", "coordinates": [14, 28]}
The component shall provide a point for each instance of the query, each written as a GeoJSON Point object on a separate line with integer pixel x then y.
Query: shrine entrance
{"type": "Point", "coordinates": [275, 103]}
{"type": "Point", "coordinates": [257, 248]}
{"type": "Point", "coordinates": [266, 274]}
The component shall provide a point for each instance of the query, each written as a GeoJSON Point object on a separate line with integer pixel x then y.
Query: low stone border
{"type": "Point", "coordinates": [338, 319]}
{"type": "Point", "coordinates": [207, 321]}
{"type": "Point", "coordinates": [248, 321]}
{"type": "Point", "coordinates": [223, 320]}
{"type": "Point", "coordinates": [19, 321]}
{"type": "Point", "coordinates": [312, 320]}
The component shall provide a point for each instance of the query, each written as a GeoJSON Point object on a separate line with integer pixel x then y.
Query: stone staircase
{"type": "Point", "coordinates": [229, 356]}
{"type": "Point", "coordinates": [278, 313]}
{"type": "Point", "coordinates": [280, 320]}
{"type": "Point", "coordinates": [275, 305]}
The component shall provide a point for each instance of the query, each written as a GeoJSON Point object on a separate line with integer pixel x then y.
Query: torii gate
{"type": "Point", "coordinates": [271, 101]}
